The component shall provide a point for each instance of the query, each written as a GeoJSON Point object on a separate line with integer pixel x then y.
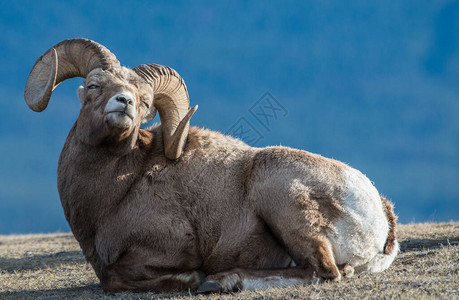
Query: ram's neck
{"type": "Point", "coordinates": [91, 179]}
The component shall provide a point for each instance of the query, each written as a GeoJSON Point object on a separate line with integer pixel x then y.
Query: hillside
{"type": "Point", "coordinates": [52, 266]}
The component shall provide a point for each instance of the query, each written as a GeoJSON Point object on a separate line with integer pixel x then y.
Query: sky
{"type": "Point", "coordinates": [374, 84]}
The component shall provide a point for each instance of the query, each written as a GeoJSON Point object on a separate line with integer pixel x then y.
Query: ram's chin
{"type": "Point", "coordinates": [119, 120]}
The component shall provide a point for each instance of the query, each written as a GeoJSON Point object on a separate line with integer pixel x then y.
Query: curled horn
{"type": "Point", "coordinates": [68, 59]}
{"type": "Point", "coordinates": [172, 102]}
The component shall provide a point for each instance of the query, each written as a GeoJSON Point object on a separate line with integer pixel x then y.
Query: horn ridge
{"type": "Point", "coordinates": [170, 98]}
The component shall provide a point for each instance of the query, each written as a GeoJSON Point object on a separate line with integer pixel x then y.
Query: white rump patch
{"type": "Point", "coordinates": [361, 234]}
{"type": "Point", "coordinates": [380, 261]}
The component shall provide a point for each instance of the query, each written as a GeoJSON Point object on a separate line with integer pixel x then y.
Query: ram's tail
{"type": "Point", "coordinates": [392, 219]}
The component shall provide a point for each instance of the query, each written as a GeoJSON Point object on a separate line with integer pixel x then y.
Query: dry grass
{"type": "Point", "coordinates": [52, 267]}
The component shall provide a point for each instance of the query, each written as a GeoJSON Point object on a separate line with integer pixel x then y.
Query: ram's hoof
{"type": "Point", "coordinates": [210, 286]}
{"type": "Point", "coordinates": [346, 270]}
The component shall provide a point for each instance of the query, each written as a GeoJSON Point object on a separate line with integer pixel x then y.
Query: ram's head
{"type": "Point", "coordinates": [115, 100]}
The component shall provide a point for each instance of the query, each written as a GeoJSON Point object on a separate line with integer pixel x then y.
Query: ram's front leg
{"type": "Point", "coordinates": [155, 281]}
{"type": "Point", "coordinates": [137, 276]}
{"type": "Point", "coordinates": [247, 279]}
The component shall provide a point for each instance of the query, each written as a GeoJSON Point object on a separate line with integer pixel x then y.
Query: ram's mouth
{"type": "Point", "coordinates": [120, 119]}
{"type": "Point", "coordinates": [121, 113]}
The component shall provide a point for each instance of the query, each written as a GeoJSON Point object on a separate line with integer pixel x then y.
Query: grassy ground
{"type": "Point", "coordinates": [52, 267]}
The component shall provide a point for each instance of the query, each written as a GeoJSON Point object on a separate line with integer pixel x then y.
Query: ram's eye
{"type": "Point", "coordinates": [93, 86]}
{"type": "Point", "coordinates": [146, 104]}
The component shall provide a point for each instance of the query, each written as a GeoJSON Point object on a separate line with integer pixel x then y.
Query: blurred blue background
{"type": "Point", "coordinates": [372, 83]}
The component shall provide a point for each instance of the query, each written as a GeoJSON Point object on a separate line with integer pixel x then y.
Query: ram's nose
{"type": "Point", "coordinates": [124, 98]}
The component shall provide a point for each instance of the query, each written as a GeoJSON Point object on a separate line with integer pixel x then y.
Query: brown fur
{"type": "Point", "coordinates": [392, 220]}
{"type": "Point", "coordinates": [199, 221]}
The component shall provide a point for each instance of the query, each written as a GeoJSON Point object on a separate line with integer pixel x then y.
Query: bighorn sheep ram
{"type": "Point", "coordinates": [175, 208]}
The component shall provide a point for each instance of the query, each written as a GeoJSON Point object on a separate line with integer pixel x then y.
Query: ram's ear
{"type": "Point", "coordinates": [80, 93]}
